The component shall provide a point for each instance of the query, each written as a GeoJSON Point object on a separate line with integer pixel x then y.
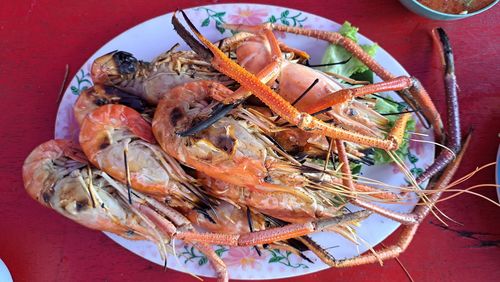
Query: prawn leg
{"type": "Point", "coordinates": [271, 235]}
{"type": "Point", "coordinates": [416, 92]}
{"type": "Point", "coordinates": [170, 222]}
{"type": "Point", "coordinates": [277, 103]}
{"type": "Point", "coordinates": [453, 134]}
{"type": "Point", "coordinates": [347, 94]}
{"type": "Point", "coordinates": [421, 211]}
{"type": "Point", "coordinates": [411, 226]}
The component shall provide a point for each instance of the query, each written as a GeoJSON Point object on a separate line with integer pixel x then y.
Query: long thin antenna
{"type": "Point", "coordinates": [127, 173]}
{"type": "Point", "coordinates": [63, 83]}
{"type": "Point", "coordinates": [301, 95]}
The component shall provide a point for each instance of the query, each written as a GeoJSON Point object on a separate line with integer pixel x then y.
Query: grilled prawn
{"type": "Point", "coordinates": [58, 175]}
{"type": "Point", "coordinates": [149, 80]}
{"type": "Point", "coordinates": [119, 141]}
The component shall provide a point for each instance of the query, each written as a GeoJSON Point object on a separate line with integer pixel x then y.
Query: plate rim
{"type": "Point", "coordinates": [497, 174]}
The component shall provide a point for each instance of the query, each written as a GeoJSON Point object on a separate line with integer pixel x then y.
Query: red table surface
{"type": "Point", "coordinates": [38, 38]}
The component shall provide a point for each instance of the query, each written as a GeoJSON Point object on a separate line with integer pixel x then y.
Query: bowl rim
{"type": "Point", "coordinates": [455, 15]}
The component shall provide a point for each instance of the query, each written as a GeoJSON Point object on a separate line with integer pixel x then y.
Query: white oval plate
{"type": "Point", "coordinates": [4, 273]}
{"type": "Point", "coordinates": [154, 36]}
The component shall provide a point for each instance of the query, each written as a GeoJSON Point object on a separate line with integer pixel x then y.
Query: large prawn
{"type": "Point", "coordinates": [119, 141]}
{"type": "Point", "coordinates": [149, 80]}
{"type": "Point", "coordinates": [58, 175]}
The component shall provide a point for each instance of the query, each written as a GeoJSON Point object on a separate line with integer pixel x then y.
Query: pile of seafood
{"type": "Point", "coordinates": [219, 145]}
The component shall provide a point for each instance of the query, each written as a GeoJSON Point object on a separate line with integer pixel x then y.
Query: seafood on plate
{"type": "Point", "coordinates": [146, 80]}
{"type": "Point", "coordinates": [57, 175]}
{"type": "Point", "coordinates": [230, 170]}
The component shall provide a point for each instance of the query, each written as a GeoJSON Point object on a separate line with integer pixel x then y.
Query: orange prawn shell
{"type": "Point", "coordinates": [280, 205]}
{"type": "Point", "coordinates": [35, 180]}
{"type": "Point", "coordinates": [254, 54]}
{"type": "Point", "coordinates": [93, 133]}
{"type": "Point", "coordinates": [94, 137]}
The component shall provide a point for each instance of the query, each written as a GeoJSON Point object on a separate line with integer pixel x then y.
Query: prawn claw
{"type": "Point", "coordinates": [198, 47]}
{"type": "Point", "coordinates": [127, 62]}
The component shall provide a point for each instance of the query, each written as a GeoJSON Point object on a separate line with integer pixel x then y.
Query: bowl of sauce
{"type": "Point", "coordinates": [448, 9]}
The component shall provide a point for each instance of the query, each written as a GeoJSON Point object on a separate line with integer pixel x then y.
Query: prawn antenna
{"type": "Point", "coordinates": [327, 160]}
{"type": "Point", "coordinates": [127, 173]}
{"type": "Point", "coordinates": [250, 225]}
{"type": "Point", "coordinates": [305, 92]}
{"type": "Point", "coordinates": [400, 113]}
{"type": "Point", "coordinates": [329, 64]}
{"type": "Point", "coordinates": [302, 95]}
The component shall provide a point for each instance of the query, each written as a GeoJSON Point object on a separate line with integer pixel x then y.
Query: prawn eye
{"type": "Point", "coordinates": [101, 101]}
{"type": "Point", "coordinates": [125, 61]}
{"type": "Point", "coordinates": [46, 197]}
{"type": "Point", "coordinates": [81, 205]}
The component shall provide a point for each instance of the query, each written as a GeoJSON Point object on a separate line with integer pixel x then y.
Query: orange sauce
{"type": "Point", "coordinates": [456, 6]}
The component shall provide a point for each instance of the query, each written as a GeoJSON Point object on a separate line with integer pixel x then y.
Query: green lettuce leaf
{"type": "Point", "coordinates": [385, 106]}
{"type": "Point", "coordinates": [357, 70]}
{"type": "Point", "coordinates": [349, 31]}
{"type": "Point", "coordinates": [336, 53]}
